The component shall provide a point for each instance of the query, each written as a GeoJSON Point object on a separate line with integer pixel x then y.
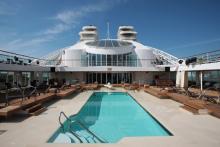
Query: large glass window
{"type": "Point", "coordinates": [90, 78]}
{"type": "Point", "coordinates": [94, 78]}
{"type": "Point", "coordinates": [93, 59]}
{"type": "Point", "coordinates": [124, 60]}
{"type": "Point", "coordinates": [99, 78]}
{"type": "Point", "coordinates": [103, 60]}
{"type": "Point", "coordinates": [120, 60]}
{"type": "Point", "coordinates": [25, 78]}
{"type": "Point", "coordinates": [3, 79]}
{"type": "Point", "coordinates": [109, 77]}
{"type": "Point", "coordinates": [115, 60]}
{"type": "Point", "coordinates": [90, 59]}
{"type": "Point", "coordinates": [104, 78]}
{"type": "Point", "coordinates": [45, 76]}
{"type": "Point", "coordinates": [119, 78]}
{"type": "Point", "coordinates": [113, 78]}
{"type": "Point", "coordinates": [98, 60]}
{"type": "Point", "coordinates": [109, 60]}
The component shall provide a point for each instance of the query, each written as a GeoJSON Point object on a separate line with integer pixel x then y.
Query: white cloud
{"type": "Point", "coordinates": [57, 29]}
{"type": "Point", "coordinates": [64, 21]}
{"type": "Point", "coordinates": [22, 45]}
{"type": "Point", "coordinates": [70, 18]}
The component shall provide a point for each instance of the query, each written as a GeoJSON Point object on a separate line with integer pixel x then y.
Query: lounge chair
{"type": "Point", "coordinates": [134, 86]}
{"type": "Point", "coordinates": [43, 87]}
{"type": "Point", "coordinates": [94, 86]}
{"type": "Point", "coordinates": [194, 92]}
{"type": "Point", "coordinates": [29, 91]}
{"type": "Point", "coordinates": [11, 93]}
{"type": "Point", "coordinates": [211, 94]}
{"type": "Point", "coordinates": [126, 86]}
{"type": "Point", "coordinates": [108, 85]}
{"type": "Point", "coordinates": [163, 83]}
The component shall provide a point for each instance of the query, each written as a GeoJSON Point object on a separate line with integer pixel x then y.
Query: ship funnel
{"type": "Point", "coordinates": [88, 33]}
{"type": "Point", "coordinates": [127, 33]}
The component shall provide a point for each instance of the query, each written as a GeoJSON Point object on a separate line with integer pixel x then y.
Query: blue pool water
{"type": "Point", "coordinates": [111, 117]}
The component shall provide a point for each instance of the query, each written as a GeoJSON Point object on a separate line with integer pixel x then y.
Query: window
{"type": "Point", "coordinates": [120, 60]}
{"type": "Point", "coordinates": [93, 59]}
{"type": "Point", "coordinates": [109, 60]}
{"type": "Point", "coordinates": [115, 60]}
{"type": "Point", "coordinates": [103, 60]}
{"type": "Point", "coordinates": [98, 60]}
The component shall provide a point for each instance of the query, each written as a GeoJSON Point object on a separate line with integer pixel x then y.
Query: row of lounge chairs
{"type": "Point", "coordinates": [31, 102]}
{"type": "Point", "coordinates": [93, 86]}
{"type": "Point", "coordinates": [192, 98]}
{"type": "Point", "coordinates": [25, 92]}
{"type": "Point", "coordinates": [163, 83]}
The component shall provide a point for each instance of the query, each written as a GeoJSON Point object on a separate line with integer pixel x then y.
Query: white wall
{"type": "Point", "coordinates": [72, 58]}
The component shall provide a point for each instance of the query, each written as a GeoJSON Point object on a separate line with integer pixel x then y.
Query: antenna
{"type": "Point", "coordinates": [108, 33]}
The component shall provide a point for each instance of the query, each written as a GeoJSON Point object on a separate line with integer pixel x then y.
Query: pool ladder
{"type": "Point", "coordinates": [82, 126]}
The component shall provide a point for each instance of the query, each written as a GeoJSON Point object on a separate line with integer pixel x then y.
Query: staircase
{"type": "Point", "coordinates": [34, 110]}
{"type": "Point", "coordinates": [84, 135]}
{"type": "Point", "coordinates": [165, 56]}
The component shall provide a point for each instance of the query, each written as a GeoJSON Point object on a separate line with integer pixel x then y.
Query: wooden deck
{"type": "Point", "coordinates": [196, 106]}
{"type": "Point", "coordinates": [178, 97]}
{"type": "Point", "coordinates": [162, 94]}
{"type": "Point", "coordinates": [19, 104]}
{"type": "Point", "coordinates": [214, 109]}
{"type": "Point", "coordinates": [9, 110]}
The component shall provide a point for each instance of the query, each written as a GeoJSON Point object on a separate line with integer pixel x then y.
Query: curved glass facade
{"type": "Point", "coordinates": [109, 60]}
{"type": "Point", "coordinates": [109, 43]}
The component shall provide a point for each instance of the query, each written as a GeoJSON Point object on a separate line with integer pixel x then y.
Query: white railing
{"type": "Point", "coordinates": [165, 56]}
{"type": "Point", "coordinates": [54, 57]}
{"type": "Point", "coordinates": [204, 58]}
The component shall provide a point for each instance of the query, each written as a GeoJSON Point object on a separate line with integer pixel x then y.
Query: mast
{"type": "Point", "coordinates": [108, 32]}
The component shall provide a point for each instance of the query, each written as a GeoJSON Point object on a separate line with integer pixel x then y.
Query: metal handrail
{"type": "Point", "coordinates": [84, 127]}
{"type": "Point", "coordinates": [81, 125]}
{"type": "Point", "coordinates": [61, 124]}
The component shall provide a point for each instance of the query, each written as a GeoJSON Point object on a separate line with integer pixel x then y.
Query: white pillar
{"type": "Point", "coordinates": [201, 80]}
{"type": "Point", "coordinates": [178, 80]}
{"type": "Point", "coordinates": [182, 79]}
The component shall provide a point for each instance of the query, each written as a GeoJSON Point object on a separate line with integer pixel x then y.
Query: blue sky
{"type": "Point", "coordinates": [180, 27]}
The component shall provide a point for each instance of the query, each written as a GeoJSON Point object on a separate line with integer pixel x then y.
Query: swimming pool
{"type": "Point", "coordinates": [107, 118]}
